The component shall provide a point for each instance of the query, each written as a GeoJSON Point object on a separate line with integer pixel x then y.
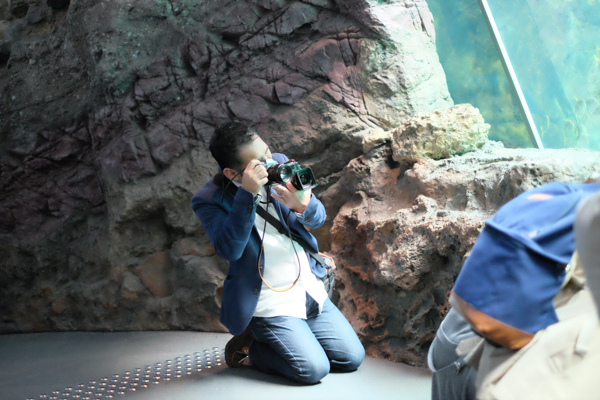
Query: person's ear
{"type": "Point", "coordinates": [229, 173]}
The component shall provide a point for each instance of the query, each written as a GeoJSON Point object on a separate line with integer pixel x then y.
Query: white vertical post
{"type": "Point", "coordinates": [512, 77]}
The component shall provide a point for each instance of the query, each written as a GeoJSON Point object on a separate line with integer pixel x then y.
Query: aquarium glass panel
{"type": "Point", "coordinates": [474, 71]}
{"type": "Point", "coordinates": [554, 48]}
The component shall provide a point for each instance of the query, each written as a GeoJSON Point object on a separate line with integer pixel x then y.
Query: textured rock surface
{"type": "Point", "coordinates": [106, 107]}
{"type": "Point", "coordinates": [401, 240]}
{"type": "Point", "coordinates": [374, 139]}
{"type": "Point", "coordinates": [440, 134]}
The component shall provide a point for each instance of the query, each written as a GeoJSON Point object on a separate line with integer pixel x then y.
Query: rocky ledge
{"type": "Point", "coordinates": [401, 240]}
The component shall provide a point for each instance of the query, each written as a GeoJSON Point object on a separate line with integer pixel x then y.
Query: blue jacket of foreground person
{"type": "Point", "coordinates": [230, 227]}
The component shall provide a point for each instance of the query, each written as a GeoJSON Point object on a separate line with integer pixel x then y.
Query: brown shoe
{"type": "Point", "coordinates": [236, 349]}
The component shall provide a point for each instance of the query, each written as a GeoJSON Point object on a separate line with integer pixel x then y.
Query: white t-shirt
{"type": "Point", "coordinates": [281, 269]}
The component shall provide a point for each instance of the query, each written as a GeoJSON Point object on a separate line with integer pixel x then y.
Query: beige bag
{"type": "Point", "coordinates": [560, 362]}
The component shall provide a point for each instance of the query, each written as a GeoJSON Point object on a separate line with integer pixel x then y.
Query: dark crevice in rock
{"type": "Point", "coordinates": [58, 4]}
{"type": "Point", "coordinates": [231, 37]}
{"type": "Point", "coordinates": [4, 57]}
{"type": "Point", "coordinates": [142, 121]}
{"type": "Point", "coordinates": [98, 55]}
{"type": "Point", "coordinates": [275, 97]}
{"type": "Point", "coordinates": [303, 30]}
{"type": "Point", "coordinates": [20, 10]}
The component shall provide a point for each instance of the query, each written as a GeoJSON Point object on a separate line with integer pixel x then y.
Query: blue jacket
{"type": "Point", "coordinates": [230, 227]}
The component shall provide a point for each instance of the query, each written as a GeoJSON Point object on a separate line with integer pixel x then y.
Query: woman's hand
{"type": "Point", "coordinates": [255, 177]}
{"type": "Point", "coordinates": [296, 200]}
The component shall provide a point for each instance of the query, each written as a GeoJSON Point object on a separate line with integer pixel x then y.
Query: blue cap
{"type": "Point", "coordinates": [517, 265]}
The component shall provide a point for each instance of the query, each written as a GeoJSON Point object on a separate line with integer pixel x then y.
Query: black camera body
{"type": "Point", "coordinates": [290, 171]}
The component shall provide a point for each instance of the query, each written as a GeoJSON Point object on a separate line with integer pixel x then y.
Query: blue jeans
{"type": "Point", "coordinates": [305, 350]}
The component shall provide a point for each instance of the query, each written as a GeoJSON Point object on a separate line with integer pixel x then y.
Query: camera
{"type": "Point", "coordinates": [290, 171]}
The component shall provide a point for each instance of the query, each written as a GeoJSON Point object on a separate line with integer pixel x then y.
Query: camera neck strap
{"type": "Point", "coordinates": [232, 189]}
{"type": "Point", "coordinates": [284, 231]}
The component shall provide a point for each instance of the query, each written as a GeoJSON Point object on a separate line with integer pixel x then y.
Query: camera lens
{"type": "Point", "coordinates": [285, 173]}
{"type": "Point", "coordinates": [279, 173]}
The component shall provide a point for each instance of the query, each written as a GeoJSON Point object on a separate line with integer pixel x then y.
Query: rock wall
{"type": "Point", "coordinates": [401, 240]}
{"type": "Point", "coordinates": [106, 107]}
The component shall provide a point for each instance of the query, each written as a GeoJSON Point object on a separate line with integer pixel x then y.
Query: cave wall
{"type": "Point", "coordinates": [106, 108]}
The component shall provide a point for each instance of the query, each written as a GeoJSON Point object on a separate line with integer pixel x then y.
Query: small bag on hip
{"type": "Point", "coordinates": [329, 278]}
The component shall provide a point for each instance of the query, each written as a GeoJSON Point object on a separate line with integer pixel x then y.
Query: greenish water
{"type": "Point", "coordinates": [554, 47]}
{"type": "Point", "coordinates": [473, 69]}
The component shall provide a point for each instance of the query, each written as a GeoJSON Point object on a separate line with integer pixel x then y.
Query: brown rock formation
{"type": "Point", "coordinates": [401, 240]}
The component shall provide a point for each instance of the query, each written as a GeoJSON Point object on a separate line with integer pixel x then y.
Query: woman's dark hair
{"type": "Point", "coordinates": [226, 142]}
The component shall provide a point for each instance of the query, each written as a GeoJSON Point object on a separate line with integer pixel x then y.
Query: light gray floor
{"type": "Point", "coordinates": [36, 364]}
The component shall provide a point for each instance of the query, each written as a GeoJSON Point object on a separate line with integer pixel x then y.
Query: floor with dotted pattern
{"type": "Point", "coordinates": [174, 365]}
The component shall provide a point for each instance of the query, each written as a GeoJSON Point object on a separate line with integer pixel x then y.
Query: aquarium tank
{"type": "Point", "coordinates": [550, 98]}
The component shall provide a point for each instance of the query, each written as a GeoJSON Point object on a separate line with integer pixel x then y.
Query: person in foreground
{"type": "Point", "coordinates": [523, 314]}
{"type": "Point", "coordinates": [274, 302]}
